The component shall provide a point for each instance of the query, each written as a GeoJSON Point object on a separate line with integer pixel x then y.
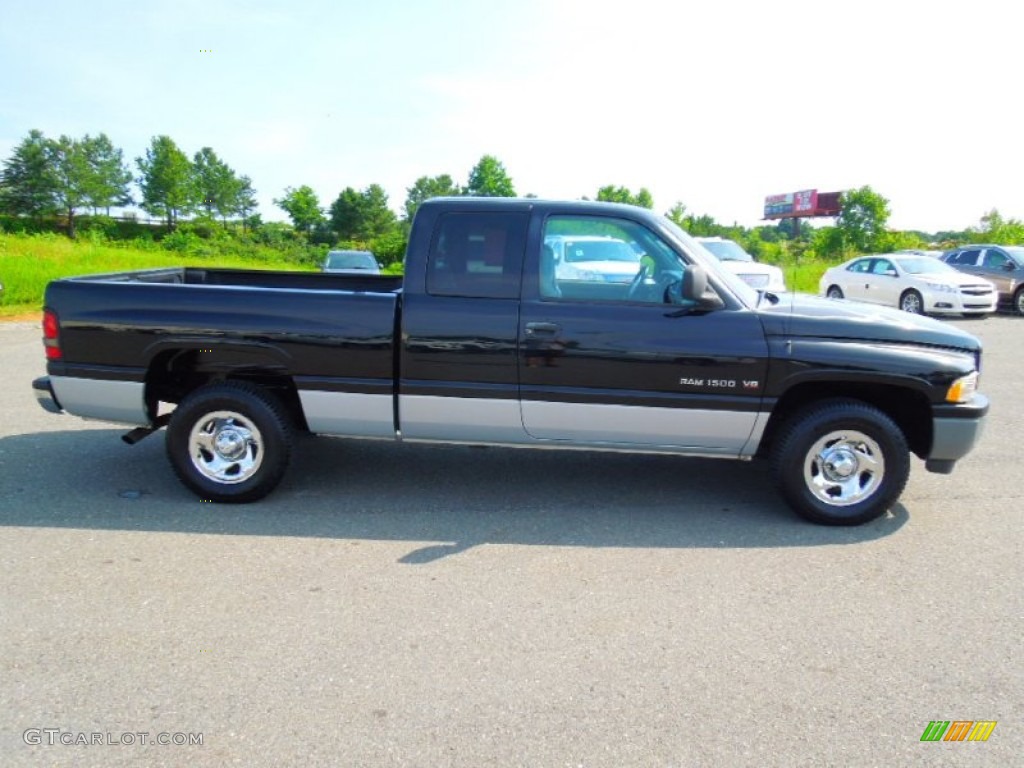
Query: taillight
{"type": "Point", "coordinates": [51, 335]}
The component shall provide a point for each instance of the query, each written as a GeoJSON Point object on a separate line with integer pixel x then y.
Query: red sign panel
{"type": "Point", "coordinates": [807, 202]}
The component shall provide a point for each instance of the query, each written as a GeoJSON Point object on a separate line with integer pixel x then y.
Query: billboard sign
{"type": "Point", "coordinates": [806, 202]}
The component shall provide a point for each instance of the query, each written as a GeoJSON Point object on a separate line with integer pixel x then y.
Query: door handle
{"type": "Point", "coordinates": [542, 329]}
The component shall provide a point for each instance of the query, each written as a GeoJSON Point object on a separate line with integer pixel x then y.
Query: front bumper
{"type": "Point", "coordinates": [955, 431]}
{"type": "Point", "coordinates": [45, 396]}
{"type": "Point", "coordinates": [943, 303]}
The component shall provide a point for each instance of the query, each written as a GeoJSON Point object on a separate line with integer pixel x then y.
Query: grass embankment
{"type": "Point", "coordinates": [29, 262]}
{"type": "Point", "coordinates": [804, 277]}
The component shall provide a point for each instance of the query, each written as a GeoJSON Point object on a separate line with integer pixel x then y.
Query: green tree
{"type": "Point", "coordinates": [362, 216]}
{"type": "Point", "coordinates": [27, 183]}
{"type": "Point", "coordinates": [425, 188]}
{"type": "Point", "coordinates": [167, 181]}
{"type": "Point", "coordinates": [378, 218]}
{"type": "Point", "coordinates": [677, 214]}
{"type": "Point", "coordinates": [390, 248]}
{"type": "Point", "coordinates": [109, 176]}
{"type": "Point", "coordinates": [698, 226]}
{"type": "Point", "coordinates": [345, 214]}
{"type": "Point", "coordinates": [303, 207]}
{"type": "Point", "coordinates": [72, 174]}
{"type": "Point", "coordinates": [488, 178]}
{"type": "Point", "coordinates": [219, 188]}
{"type": "Point", "coordinates": [993, 228]}
{"type": "Point", "coordinates": [245, 200]}
{"type": "Point", "coordinates": [863, 214]}
{"type": "Point", "coordinates": [613, 194]}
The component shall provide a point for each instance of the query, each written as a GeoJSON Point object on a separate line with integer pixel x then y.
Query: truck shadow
{"type": "Point", "coordinates": [442, 499]}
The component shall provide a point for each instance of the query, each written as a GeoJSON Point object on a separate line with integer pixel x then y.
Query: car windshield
{"type": "Point", "coordinates": [350, 261]}
{"type": "Point", "coordinates": [1016, 252]}
{"type": "Point", "coordinates": [706, 259]}
{"type": "Point", "coordinates": [726, 250]}
{"type": "Point", "coordinates": [923, 265]}
{"type": "Point", "coordinates": [599, 250]}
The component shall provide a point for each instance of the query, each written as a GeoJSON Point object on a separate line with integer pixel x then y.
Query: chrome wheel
{"type": "Point", "coordinates": [225, 447]}
{"type": "Point", "coordinates": [835, 292]}
{"type": "Point", "coordinates": [1018, 301]}
{"type": "Point", "coordinates": [911, 302]}
{"type": "Point", "coordinates": [844, 467]}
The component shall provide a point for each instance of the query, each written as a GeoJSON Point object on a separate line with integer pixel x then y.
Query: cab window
{"type": "Point", "coordinates": [478, 255]}
{"type": "Point", "coordinates": [596, 258]}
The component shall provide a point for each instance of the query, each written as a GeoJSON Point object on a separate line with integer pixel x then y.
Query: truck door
{"type": "Point", "coordinates": [606, 362]}
{"type": "Point", "coordinates": [459, 378]}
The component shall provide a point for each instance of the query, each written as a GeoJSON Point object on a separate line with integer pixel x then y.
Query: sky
{"type": "Point", "coordinates": [715, 104]}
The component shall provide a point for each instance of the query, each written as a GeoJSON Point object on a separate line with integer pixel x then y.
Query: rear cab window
{"type": "Point", "coordinates": [477, 255]}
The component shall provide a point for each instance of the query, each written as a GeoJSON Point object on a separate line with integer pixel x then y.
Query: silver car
{"type": "Point", "coordinates": [351, 263]}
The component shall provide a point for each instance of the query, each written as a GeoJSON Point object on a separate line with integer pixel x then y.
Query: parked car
{"type": "Point", "coordinates": [742, 264]}
{"type": "Point", "coordinates": [918, 284]}
{"type": "Point", "coordinates": [593, 258]}
{"type": "Point", "coordinates": [351, 263]}
{"type": "Point", "coordinates": [1002, 265]}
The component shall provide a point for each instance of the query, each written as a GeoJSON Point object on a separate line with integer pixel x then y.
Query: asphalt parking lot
{"type": "Point", "coordinates": [450, 606]}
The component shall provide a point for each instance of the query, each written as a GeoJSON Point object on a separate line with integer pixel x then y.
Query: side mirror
{"type": "Point", "coordinates": [691, 291]}
{"type": "Point", "coordinates": [1009, 266]}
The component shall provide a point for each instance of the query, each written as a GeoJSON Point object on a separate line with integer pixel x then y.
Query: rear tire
{"type": "Point", "coordinates": [834, 292]}
{"type": "Point", "coordinates": [912, 302]}
{"type": "Point", "coordinates": [229, 442]}
{"type": "Point", "coordinates": [841, 462]}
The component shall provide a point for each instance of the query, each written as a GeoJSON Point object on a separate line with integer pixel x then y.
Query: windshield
{"type": "Point", "coordinates": [706, 259]}
{"type": "Point", "coordinates": [1016, 252]}
{"type": "Point", "coordinates": [924, 265]}
{"type": "Point", "coordinates": [726, 250]}
{"type": "Point", "coordinates": [599, 250]}
{"type": "Point", "coordinates": [350, 261]}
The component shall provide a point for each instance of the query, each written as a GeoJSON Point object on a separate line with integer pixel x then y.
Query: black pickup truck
{"type": "Point", "coordinates": [495, 336]}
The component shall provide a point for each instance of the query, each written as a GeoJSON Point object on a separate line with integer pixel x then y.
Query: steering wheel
{"type": "Point", "coordinates": [637, 283]}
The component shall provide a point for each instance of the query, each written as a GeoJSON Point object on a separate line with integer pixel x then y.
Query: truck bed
{"type": "Point", "coordinates": [253, 278]}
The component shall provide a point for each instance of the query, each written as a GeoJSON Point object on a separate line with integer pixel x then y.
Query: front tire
{"type": "Point", "coordinates": [1018, 301]}
{"type": "Point", "coordinates": [841, 462]}
{"type": "Point", "coordinates": [834, 292]}
{"type": "Point", "coordinates": [229, 442]}
{"type": "Point", "coordinates": [912, 302]}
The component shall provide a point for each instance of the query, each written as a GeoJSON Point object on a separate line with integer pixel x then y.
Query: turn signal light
{"type": "Point", "coordinates": [963, 389]}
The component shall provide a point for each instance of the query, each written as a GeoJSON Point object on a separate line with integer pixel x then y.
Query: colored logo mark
{"type": "Point", "coordinates": [958, 730]}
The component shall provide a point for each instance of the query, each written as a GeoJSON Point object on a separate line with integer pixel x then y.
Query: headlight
{"type": "Point", "coordinates": [942, 287]}
{"type": "Point", "coordinates": [963, 389]}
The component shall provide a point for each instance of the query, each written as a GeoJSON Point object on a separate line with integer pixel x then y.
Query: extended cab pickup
{"type": "Point", "coordinates": [481, 342]}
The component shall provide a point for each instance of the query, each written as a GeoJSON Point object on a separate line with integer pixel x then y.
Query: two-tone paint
{"type": "Point", "coordinates": [384, 358]}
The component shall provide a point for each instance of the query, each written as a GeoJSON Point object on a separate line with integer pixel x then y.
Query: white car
{"type": "Point", "coordinates": [593, 258]}
{"type": "Point", "coordinates": [919, 284]}
{"type": "Point", "coordinates": [743, 265]}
